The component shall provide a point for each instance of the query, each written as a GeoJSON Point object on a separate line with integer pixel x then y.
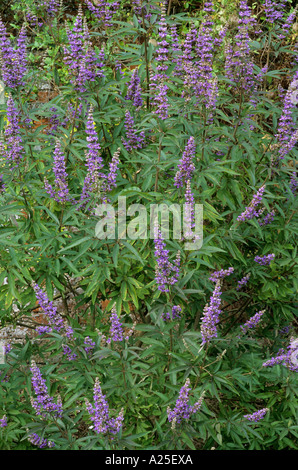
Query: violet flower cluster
{"type": "Point", "coordinates": [287, 135]}
{"type": "Point", "coordinates": [89, 345]}
{"type": "Point", "coordinates": [40, 442]}
{"type": "Point", "coordinates": [211, 314]}
{"type": "Point", "coordinates": [251, 211]}
{"type": "Point", "coordinates": [99, 413]}
{"type": "Point", "coordinates": [116, 330]}
{"type": "Point", "coordinates": [274, 10]}
{"type": "Point", "coordinates": [103, 11]}
{"type": "Point", "coordinates": [43, 404]}
{"type": "Point", "coordinates": [257, 415]}
{"type": "Point", "coordinates": [252, 322]}
{"type": "Point", "coordinates": [13, 149]}
{"type": "Point", "coordinates": [182, 409]}
{"type": "Point", "coordinates": [174, 314]}
{"type": "Point", "coordinates": [158, 86]}
{"type": "Point", "coordinates": [60, 191]}
{"type": "Point", "coordinates": [94, 161]}
{"type": "Point", "coordinates": [133, 139]}
{"type": "Point", "coordinates": [221, 274]}
{"type": "Point", "coordinates": [54, 318]}
{"type": "Point", "coordinates": [264, 260]}
{"type": "Point", "coordinates": [243, 282]}
{"type": "Point", "coordinates": [186, 167]}
{"type": "Point", "coordinates": [3, 422]}
{"type": "Point", "coordinates": [288, 358]}
{"type": "Point", "coordinates": [166, 272]}
{"type": "Point", "coordinates": [134, 90]}
{"type": "Point", "coordinates": [13, 62]}
{"type": "Point", "coordinates": [268, 218]}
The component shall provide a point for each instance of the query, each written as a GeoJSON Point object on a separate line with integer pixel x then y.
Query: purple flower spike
{"type": "Point", "coordinates": [3, 422]}
{"type": "Point", "coordinates": [221, 274]}
{"type": "Point", "coordinates": [134, 90]}
{"type": "Point", "coordinates": [186, 167]}
{"type": "Point", "coordinates": [60, 191]}
{"type": "Point", "coordinates": [13, 151]}
{"type": "Point", "coordinates": [133, 140]}
{"type": "Point", "coordinates": [243, 281]}
{"type": "Point", "coordinates": [13, 62]}
{"type": "Point", "coordinates": [253, 321]}
{"type": "Point", "coordinates": [211, 314]}
{"type": "Point", "coordinates": [257, 415]}
{"type": "Point", "coordinates": [251, 211]}
{"type": "Point", "coordinates": [44, 405]}
{"type": "Point", "coordinates": [264, 260]}
{"type": "Point", "coordinates": [99, 413]}
{"type": "Point", "coordinates": [174, 315]}
{"type": "Point", "coordinates": [40, 442]}
{"type": "Point", "coordinates": [116, 329]}
{"type": "Point", "coordinates": [166, 273]}
{"type": "Point", "coordinates": [182, 409]}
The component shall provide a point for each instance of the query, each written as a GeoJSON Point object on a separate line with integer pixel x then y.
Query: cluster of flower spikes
{"type": "Point", "coordinates": [43, 404]}
{"type": "Point", "coordinates": [264, 260]}
{"type": "Point", "coordinates": [174, 314]}
{"type": "Point", "coordinates": [40, 442]}
{"type": "Point", "coordinates": [99, 413]}
{"type": "Point", "coordinates": [239, 66]}
{"type": "Point", "coordinates": [13, 62]}
{"type": "Point", "coordinates": [158, 86]}
{"type": "Point", "coordinates": [186, 167]}
{"type": "Point", "coordinates": [221, 274]}
{"type": "Point", "coordinates": [251, 210]}
{"type": "Point", "coordinates": [257, 415]}
{"type": "Point", "coordinates": [211, 314]}
{"type": "Point", "coordinates": [166, 272]}
{"type": "Point", "coordinates": [133, 139]}
{"type": "Point", "coordinates": [182, 409]}
{"type": "Point", "coordinates": [134, 90]}
{"type": "Point", "coordinates": [60, 192]}
{"type": "Point", "coordinates": [80, 56]}
{"type": "Point", "coordinates": [288, 358]}
{"type": "Point", "coordinates": [253, 321]}
{"type": "Point", "coordinates": [103, 11]}
{"type": "Point", "coordinates": [12, 150]}
{"type": "Point", "coordinates": [243, 282]}
{"type": "Point", "coordinates": [287, 134]}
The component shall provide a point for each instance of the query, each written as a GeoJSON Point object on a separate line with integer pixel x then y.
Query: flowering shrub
{"type": "Point", "coordinates": [139, 342]}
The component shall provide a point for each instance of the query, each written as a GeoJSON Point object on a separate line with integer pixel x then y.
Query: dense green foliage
{"type": "Point", "coordinates": [55, 244]}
